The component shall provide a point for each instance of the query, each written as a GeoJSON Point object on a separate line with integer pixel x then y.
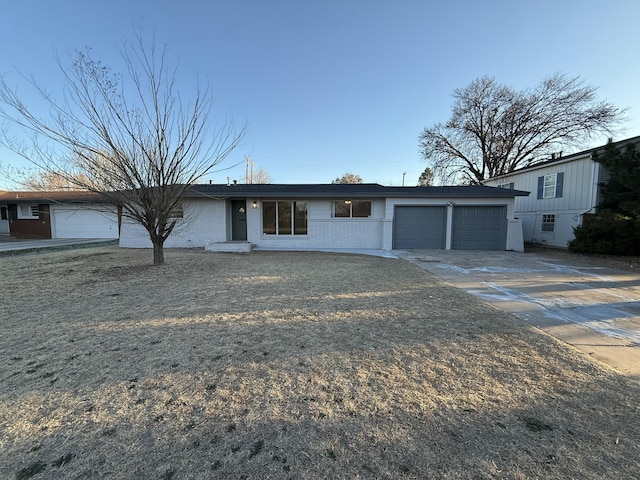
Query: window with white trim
{"type": "Point", "coordinates": [28, 212]}
{"type": "Point", "coordinates": [548, 223]}
{"type": "Point", "coordinates": [284, 218]}
{"type": "Point", "coordinates": [351, 208]}
{"type": "Point", "coordinates": [549, 186]}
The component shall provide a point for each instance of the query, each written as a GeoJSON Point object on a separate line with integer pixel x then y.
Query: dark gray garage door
{"type": "Point", "coordinates": [479, 228]}
{"type": "Point", "coordinates": [419, 227]}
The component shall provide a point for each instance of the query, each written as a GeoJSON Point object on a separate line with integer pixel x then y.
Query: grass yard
{"type": "Point", "coordinates": [288, 365]}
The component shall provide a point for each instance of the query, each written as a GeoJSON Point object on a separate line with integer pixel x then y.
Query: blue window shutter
{"type": "Point", "coordinates": [540, 187]}
{"type": "Point", "coordinates": [559, 183]}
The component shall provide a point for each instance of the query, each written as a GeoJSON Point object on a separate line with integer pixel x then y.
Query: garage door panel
{"type": "Point", "coordinates": [419, 227]}
{"type": "Point", "coordinates": [83, 222]}
{"type": "Point", "coordinates": [479, 228]}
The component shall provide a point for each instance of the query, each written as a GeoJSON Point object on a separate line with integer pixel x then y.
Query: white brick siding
{"type": "Point", "coordinates": [204, 220]}
{"type": "Point", "coordinates": [210, 221]}
{"type": "Point", "coordinates": [323, 231]}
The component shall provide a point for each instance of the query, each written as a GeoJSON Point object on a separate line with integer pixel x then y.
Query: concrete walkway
{"type": "Point", "coordinates": [8, 244]}
{"type": "Point", "coordinates": [596, 309]}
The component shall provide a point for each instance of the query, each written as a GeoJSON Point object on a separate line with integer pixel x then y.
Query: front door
{"type": "Point", "coordinates": [239, 220]}
{"type": "Point", "coordinates": [4, 219]}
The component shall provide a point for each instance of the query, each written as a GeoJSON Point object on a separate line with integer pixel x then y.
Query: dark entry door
{"type": "Point", "coordinates": [238, 220]}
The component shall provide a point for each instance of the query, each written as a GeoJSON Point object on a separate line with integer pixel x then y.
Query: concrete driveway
{"type": "Point", "coordinates": [596, 309]}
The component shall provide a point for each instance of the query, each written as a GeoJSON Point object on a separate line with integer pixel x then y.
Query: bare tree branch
{"type": "Point", "coordinates": [127, 136]}
{"type": "Point", "coordinates": [494, 129]}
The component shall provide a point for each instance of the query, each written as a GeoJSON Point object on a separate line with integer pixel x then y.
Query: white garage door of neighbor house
{"type": "Point", "coordinates": [82, 222]}
{"type": "Point", "coordinates": [479, 228]}
{"type": "Point", "coordinates": [420, 226]}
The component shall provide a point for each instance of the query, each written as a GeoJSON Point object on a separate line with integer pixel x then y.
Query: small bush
{"type": "Point", "coordinates": [607, 235]}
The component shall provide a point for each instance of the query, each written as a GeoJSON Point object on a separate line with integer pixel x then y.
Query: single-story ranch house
{"type": "Point", "coordinates": [313, 216]}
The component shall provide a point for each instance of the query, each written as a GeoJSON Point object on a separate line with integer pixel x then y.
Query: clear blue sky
{"type": "Point", "coordinates": [333, 86]}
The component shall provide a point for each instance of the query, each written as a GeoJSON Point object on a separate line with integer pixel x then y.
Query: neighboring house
{"type": "Point", "coordinates": [565, 190]}
{"type": "Point", "coordinates": [355, 216]}
{"type": "Point", "coordinates": [58, 214]}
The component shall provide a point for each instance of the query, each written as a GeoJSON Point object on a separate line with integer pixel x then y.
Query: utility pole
{"type": "Point", "coordinates": [248, 170]}
{"type": "Point", "coordinates": [403, 174]}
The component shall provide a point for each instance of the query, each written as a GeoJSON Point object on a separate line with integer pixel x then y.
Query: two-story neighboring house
{"type": "Point", "coordinates": [563, 190]}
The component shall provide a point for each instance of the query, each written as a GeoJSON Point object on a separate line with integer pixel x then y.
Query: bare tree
{"type": "Point", "coordinates": [495, 129]}
{"type": "Point", "coordinates": [260, 175]}
{"type": "Point", "coordinates": [426, 178]}
{"type": "Point", "coordinates": [348, 178]}
{"type": "Point", "coordinates": [130, 137]}
{"type": "Point", "coordinates": [48, 181]}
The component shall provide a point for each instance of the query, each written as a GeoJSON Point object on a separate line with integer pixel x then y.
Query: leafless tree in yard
{"type": "Point", "coordinates": [131, 137]}
{"type": "Point", "coordinates": [495, 129]}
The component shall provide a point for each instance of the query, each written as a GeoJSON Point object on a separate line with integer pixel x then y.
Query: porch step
{"type": "Point", "coordinates": [232, 247]}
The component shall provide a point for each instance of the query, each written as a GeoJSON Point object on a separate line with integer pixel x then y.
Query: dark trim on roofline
{"type": "Point", "coordinates": [347, 190]}
{"type": "Point", "coordinates": [52, 197]}
{"type": "Point", "coordinates": [282, 191]}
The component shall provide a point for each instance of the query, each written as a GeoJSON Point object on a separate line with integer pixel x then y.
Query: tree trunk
{"type": "Point", "coordinates": [158, 252]}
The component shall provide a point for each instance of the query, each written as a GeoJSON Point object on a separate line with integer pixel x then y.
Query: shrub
{"type": "Point", "coordinates": [607, 235]}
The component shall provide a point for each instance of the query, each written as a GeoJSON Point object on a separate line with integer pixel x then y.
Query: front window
{"type": "Point", "coordinates": [284, 218]}
{"type": "Point", "coordinates": [177, 211]}
{"type": "Point", "coordinates": [549, 186]}
{"type": "Point", "coordinates": [28, 211]}
{"type": "Point", "coordinates": [351, 208]}
{"type": "Point", "coordinates": [548, 223]}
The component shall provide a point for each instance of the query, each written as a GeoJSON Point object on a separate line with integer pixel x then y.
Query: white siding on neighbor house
{"type": "Point", "coordinates": [203, 221]}
{"type": "Point", "coordinates": [579, 196]}
{"type": "Point", "coordinates": [74, 221]}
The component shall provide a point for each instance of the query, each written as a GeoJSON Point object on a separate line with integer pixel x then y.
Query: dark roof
{"type": "Point", "coordinates": [568, 158]}
{"type": "Point", "coordinates": [359, 190]}
{"type": "Point", "coordinates": [283, 191]}
{"type": "Point", "coordinates": [61, 196]}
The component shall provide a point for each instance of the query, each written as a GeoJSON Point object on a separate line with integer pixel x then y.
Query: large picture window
{"type": "Point", "coordinates": [284, 218]}
{"type": "Point", "coordinates": [351, 208]}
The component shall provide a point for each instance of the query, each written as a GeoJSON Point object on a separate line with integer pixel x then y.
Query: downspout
{"type": "Point", "coordinates": [449, 228]}
{"type": "Point", "coordinates": [594, 186]}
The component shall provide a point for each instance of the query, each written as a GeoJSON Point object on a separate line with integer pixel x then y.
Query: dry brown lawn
{"type": "Point", "coordinates": [288, 365]}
